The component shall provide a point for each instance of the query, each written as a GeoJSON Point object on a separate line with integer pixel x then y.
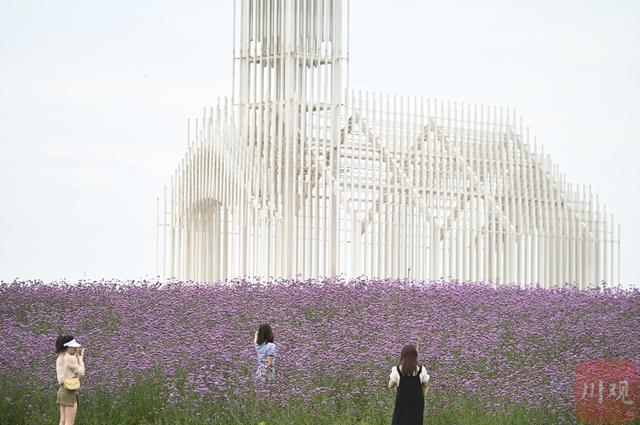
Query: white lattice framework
{"type": "Point", "coordinates": [297, 176]}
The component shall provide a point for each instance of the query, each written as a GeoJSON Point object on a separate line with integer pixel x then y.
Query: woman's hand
{"type": "Point", "coordinates": [80, 355]}
{"type": "Point", "coordinates": [268, 361]}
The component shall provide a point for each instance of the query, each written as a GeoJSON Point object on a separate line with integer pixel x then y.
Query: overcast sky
{"type": "Point", "coordinates": [94, 97]}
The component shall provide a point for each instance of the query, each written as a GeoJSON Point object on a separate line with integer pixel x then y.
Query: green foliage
{"type": "Point", "coordinates": [145, 403]}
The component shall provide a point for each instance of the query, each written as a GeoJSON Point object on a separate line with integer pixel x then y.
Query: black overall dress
{"type": "Point", "coordinates": [409, 408]}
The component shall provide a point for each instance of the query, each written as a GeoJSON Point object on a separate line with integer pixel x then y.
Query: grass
{"type": "Point", "coordinates": [145, 403]}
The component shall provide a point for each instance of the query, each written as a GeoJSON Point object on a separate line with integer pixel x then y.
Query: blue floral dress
{"type": "Point", "coordinates": [265, 350]}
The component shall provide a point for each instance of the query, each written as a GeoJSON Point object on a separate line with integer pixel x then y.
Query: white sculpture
{"type": "Point", "coordinates": [298, 176]}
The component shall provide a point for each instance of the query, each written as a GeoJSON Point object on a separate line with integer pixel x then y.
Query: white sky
{"type": "Point", "coordinates": [94, 98]}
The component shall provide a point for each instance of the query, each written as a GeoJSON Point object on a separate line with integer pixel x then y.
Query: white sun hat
{"type": "Point", "coordinates": [73, 344]}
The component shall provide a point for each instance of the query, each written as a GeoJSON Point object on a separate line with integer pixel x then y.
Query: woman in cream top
{"type": "Point", "coordinates": [69, 364]}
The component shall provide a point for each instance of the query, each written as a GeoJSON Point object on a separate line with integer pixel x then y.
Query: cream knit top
{"type": "Point", "coordinates": [74, 369]}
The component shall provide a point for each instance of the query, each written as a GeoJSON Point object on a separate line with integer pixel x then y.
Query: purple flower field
{"type": "Point", "coordinates": [337, 341]}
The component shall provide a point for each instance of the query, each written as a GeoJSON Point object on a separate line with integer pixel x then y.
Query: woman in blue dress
{"type": "Point", "coordinates": [266, 350]}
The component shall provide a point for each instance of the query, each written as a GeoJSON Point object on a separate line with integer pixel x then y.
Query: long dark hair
{"type": "Point", "coordinates": [265, 334]}
{"type": "Point", "coordinates": [408, 359]}
{"type": "Point", "coordinates": [62, 339]}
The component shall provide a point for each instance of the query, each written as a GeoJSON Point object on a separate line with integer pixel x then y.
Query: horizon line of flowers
{"type": "Point", "coordinates": [328, 281]}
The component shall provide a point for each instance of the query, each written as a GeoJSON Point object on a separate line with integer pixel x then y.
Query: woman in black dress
{"type": "Point", "coordinates": [412, 382]}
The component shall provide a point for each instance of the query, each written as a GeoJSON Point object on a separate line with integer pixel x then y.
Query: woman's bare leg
{"type": "Point", "coordinates": [70, 414]}
{"type": "Point", "coordinates": [61, 414]}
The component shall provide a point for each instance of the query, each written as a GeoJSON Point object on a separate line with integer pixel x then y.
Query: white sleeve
{"type": "Point", "coordinates": [59, 370]}
{"type": "Point", "coordinates": [424, 376]}
{"type": "Point", "coordinates": [75, 366]}
{"type": "Point", "coordinates": [394, 376]}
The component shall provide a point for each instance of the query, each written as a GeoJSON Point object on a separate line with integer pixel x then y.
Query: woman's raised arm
{"type": "Point", "coordinates": [76, 364]}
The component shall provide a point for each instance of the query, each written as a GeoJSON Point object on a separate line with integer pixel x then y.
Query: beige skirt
{"type": "Point", "coordinates": [66, 397]}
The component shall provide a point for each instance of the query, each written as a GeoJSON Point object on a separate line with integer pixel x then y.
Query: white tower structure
{"type": "Point", "coordinates": [296, 176]}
